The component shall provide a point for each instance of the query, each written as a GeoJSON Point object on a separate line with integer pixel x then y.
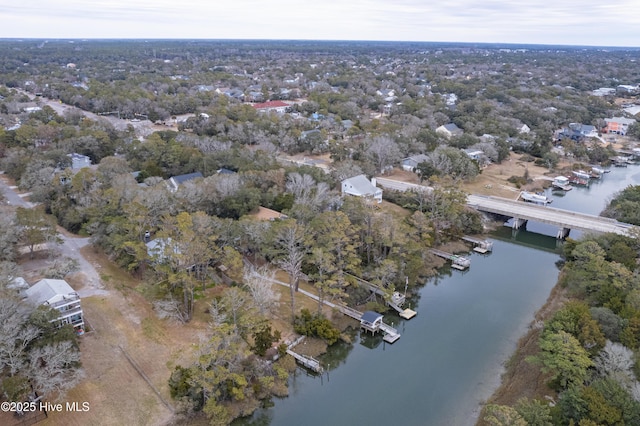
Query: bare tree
{"type": "Point", "coordinates": [170, 309]}
{"type": "Point", "coordinates": [259, 281]}
{"type": "Point", "coordinates": [51, 368]}
{"type": "Point", "coordinates": [384, 152]}
{"type": "Point", "coordinates": [15, 334]}
{"type": "Point", "coordinates": [290, 244]}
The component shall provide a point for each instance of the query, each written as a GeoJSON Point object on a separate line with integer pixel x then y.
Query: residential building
{"type": "Point", "coordinates": [79, 161]}
{"type": "Point", "coordinates": [360, 186]}
{"type": "Point", "coordinates": [272, 106]}
{"type": "Point", "coordinates": [410, 164]}
{"type": "Point", "coordinates": [59, 295]}
{"type": "Point", "coordinates": [174, 182]}
{"type": "Point", "coordinates": [449, 130]}
{"type": "Point", "coordinates": [618, 125]}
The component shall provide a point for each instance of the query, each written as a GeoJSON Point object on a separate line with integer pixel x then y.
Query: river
{"type": "Point", "coordinates": [450, 356]}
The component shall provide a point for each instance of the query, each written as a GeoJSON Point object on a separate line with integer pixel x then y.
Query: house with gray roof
{"type": "Point", "coordinates": [449, 130]}
{"type": "Point", "coordinates": [410, 164]}
{"type": "Point", "coordinates": [174, 182]}
{"type": "Point", "coordinates": [58, 295]}
{"type": "Point", "coordinates": [360, 186]}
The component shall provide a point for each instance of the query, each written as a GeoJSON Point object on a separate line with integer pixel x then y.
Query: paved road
{"type": "Point", "coordinates": [11, 196]}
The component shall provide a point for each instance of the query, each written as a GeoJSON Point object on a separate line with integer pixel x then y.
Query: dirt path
{"type": "Point", "coordinates": [88, 275]}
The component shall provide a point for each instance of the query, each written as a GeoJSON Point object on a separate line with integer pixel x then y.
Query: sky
{"type": "Point", "coordinates": [558, 22]}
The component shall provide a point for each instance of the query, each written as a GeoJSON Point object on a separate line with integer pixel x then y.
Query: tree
{"type": "Point", "coordinates": [501, 415]}
{"type": "Point", "coordinates": [291, 249]}
{"type": "Point", "coordinates": [259, 282]}
{"type": "Point", "coordinates": [534, 412]}
{"type": "Point", "coordinates": [564, 358]}
{"type": "Point", "coordinates": [37, 228]}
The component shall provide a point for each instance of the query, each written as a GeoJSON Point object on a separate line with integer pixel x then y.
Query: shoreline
{"type": "Point", "coordinates": [520, 378]}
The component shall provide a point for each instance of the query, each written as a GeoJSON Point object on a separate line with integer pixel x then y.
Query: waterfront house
{"type": "Point", "coordinates": [618, 125]}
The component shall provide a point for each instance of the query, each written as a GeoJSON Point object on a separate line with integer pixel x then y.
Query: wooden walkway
{"type": "Point", "coordinates": [457, 262]}
{"type": "Point", "coordinates": [306, 361]}
{"type": "Point", "coordinates": [390, 333]}
{"type": "Point", "coordinates": [481, 246]}
{"type": "Point", "coordinates": [396, 305]}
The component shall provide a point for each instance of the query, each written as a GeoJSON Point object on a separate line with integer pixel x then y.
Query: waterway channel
{"type": "Point", "coordinates": [450, 356]}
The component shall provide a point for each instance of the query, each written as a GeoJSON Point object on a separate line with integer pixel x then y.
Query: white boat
{"type": "Point", "coordinates": [562, 182]}
{"type": "Point", "coordinates": [581, 174]}
{"type": "Point", "coordinates": [532, 197]}
{"type": "Point", "coordinates": [599, 171]}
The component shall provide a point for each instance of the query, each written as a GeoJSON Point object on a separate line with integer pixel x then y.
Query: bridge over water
{"type": "Point", "coordinates": [566, 220]}
{"type": "Point", "coordinates": [521, 212]}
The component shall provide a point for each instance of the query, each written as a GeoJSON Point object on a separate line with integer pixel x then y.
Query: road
{"type": "Point", "coordinates": [11, 197]}
{"type": "Point", "coordinates": [70, 246]}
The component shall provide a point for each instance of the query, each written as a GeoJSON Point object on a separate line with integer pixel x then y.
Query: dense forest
{"type": "Point", "coordinates": [145, 112]}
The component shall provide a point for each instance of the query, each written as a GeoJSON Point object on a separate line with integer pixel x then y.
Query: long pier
{"type": "Point", "coordinates": [395, 301]}
{"type": "Point", "coordinates": [306, 361]}
{"type": "Point", "coordinates": [390, 333]}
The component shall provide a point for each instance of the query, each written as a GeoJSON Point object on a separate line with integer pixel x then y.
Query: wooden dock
{"type": "Point", "coordinates": [304, 360]}
{"type": "Point", "coordinates": [480, 246]}
{"type": "Point", "coordinates": [390, 334]}
{"type": "Point", "coordinates": [396, 301]}
{"type": "Point", "coordinates": [457, 262]}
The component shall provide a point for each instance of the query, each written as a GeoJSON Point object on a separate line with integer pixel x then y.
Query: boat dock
{"type": "Point", "coordinates": [390, 334]}
{"type": "Point", "coordinates": [304, 360]}
{"type": "Point", "coordinates": [460, 263]}
{"type": "Point", "coordinates": [396, 301]}
{"type": "Point", "coordinates": [481, 246]}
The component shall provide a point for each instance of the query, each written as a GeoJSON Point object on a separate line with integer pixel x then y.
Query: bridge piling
{"type": "Point", "coordinates": [563, 233]}
{"type": "Point", "coordinates": [518, 223]}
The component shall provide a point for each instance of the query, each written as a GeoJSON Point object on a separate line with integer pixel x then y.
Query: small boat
{"type": "Point", "coordinates": [561, 182]}
{"type": "Point", "coordinates": [532, 197]}
{"type": "Point", "coordinates": [581, 174]}
{"type": "Point", "coordinates": [599, 171]}
{"type": "Point", "coordinates": [575, 180]}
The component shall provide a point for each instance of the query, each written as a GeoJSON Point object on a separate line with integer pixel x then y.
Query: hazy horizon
{"type": "Point", "coordinates": [564, 23]}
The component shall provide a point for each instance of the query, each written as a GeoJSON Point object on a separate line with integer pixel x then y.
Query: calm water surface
{"type": "Point", "coordinates": [450, 356]}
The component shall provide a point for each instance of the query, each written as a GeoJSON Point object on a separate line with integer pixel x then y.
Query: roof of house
{"type": "Point", "coordinates": [370, 316]}
{"type": "Point", "coordinates": [180, 179]}
{"type": "Point", "coordinates": [47, 289]}
{"type": "Point", "coordinates": [414, 160]}
{"type": "Point", "coordinates": [361, 185]}
{"type": "Point", "coordinates": [452, 127]}
{"type": "Point", "coordinates": [270, 104]}
{"type": "Point", "coordinates": [620, 120]}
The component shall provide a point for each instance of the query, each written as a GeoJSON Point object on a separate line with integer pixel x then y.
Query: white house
{"type": "Point", "coordinates": [58, 295]}
{"type": "Point", "coordinates": [360, 186]}
{"type": "Point", "coordinates": [79, 161]}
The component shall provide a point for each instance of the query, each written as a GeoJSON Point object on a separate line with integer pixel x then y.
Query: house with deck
{"type": "Point", "coordinates": [58, 295]}
{"type": "Point", "coordinates": [360, 186]}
